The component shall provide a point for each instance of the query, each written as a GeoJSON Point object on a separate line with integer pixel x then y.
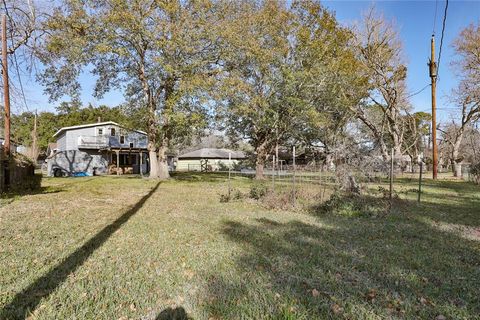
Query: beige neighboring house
{"type": "Point", "coordinates": [208, 159]}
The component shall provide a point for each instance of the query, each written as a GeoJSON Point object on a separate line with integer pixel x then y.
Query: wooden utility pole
{"type": "Point", "coordinates": [6, 90]}
{"type": "Point", "coordinates": [34, 151]}
{"type": "Point", "coordinates": [433, 75]}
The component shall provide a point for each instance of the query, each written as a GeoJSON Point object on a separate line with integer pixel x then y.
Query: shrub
{"type": "Point", "coordinates": [235, 194]}
{"type": "Point", "coordinates": [475, 172]}
{"type": "Point", "coordinates": [258, 190]}
{"type": "Point", "coordinates": [354, 205]}
{"type": "Point", "coordinates": [225, 197]}
{"type": "Point", "coordinates": [386, 192]}
{"type": "Point", "coordinates": [281, 200]}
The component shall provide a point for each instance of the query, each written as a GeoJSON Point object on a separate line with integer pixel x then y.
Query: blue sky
{"type": "Point", "coordinates": [414, 20]}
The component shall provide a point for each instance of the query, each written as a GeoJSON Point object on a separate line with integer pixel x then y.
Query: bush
{"type": "Point", "coordinates": [354, 205]}
{"type": "Point", "coordinates": [258, 190]}
{"type": "Point", "coordinates": [235, 194]}
{"type": "Point", "coordinates": [281, 200]}
{"type": "Point", "coordinates": [386, 192]}
{"type": "Point", "coordinates": [475, 172]}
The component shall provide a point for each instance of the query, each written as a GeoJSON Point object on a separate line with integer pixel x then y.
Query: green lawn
{"type": "Point", "coordinates": [127, 248]}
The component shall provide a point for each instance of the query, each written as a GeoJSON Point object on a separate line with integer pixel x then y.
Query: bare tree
{"type": "Point", "coordinates": [467, 95]}
{"type": "Point", "coordinates": [380, 52]}
{"type": "Point", "coordinates": [24, 33]}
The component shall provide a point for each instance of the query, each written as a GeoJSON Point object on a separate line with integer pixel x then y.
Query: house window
{"type": "Point", "coordinates": [131, 144]}
{"type": "Point", "coordinates": [122, 139]}
{"type": "Point", "coordinates": [100, 131]}
{"type": "Point", "coordinates": [112, 132]}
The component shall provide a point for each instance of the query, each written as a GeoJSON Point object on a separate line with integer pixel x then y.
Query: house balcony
{"type": "Point", "coordinates": [101, 142]}
{"type": "Point", "coordinates": [93, 142]}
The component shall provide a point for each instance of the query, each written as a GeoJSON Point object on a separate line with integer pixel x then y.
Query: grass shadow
{"type": "Point", "coordinates": [28, 299]}
{"type": "Point", "coordinates": [177, 313]}
{"type": "Point", "coordinates": [343, 267]}
{"type": "Point", "coordinates": [200, 176]}
{"type": "Point", "coordinates": [10, 196]}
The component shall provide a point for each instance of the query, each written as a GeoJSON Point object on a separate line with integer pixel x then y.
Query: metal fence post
{"type": "Point", "coordinates": [273, 174]}
{"type": "Point", "coordinates": [229, 173]}
{"type": "Point", "coordinates": [391, 178]}
{"type": "Point", "coordinates": [420, 182]}
{"type": "Point", "coordinates": [294, 168]}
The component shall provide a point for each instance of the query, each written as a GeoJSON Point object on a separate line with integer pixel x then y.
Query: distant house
{"type": "Point", "coordinates": [98, 148]}
{"type": "Point", "coordinates": [13, 145]}
{"type": "Point", "coordinates": [208, 159]}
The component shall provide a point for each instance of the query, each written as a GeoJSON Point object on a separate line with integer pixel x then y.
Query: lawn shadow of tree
{"type": "Point", "coordinates": [202, 176]}
{"type": "Point", "coordinates": [27, 300]}
{"type": "Point", "coordinates": [177, 313]}
{"type": "Point", "coordinates": [10, 196]}
{"type": "Point", "coordinates": [343, 267]}
{"type": "Point", "coordinates": [461, 209]}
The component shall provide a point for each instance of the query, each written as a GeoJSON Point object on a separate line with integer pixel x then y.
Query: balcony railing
{"type": "Point", "coordinates": [98, 142]}
{"type": "Point", "coordinates": [93, 142]}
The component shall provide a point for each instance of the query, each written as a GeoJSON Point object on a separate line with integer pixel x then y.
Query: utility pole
{"type": "Point", "coordinates": [6, 90]}
{"type": "Point", "coordinates": [34, 139]}
{"type": "Point", "coordinates": [433, 75]}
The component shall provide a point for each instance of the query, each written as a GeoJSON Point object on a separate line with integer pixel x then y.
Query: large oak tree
{"type": "Point", "coordinates": [287, 69]}
{"type": "Point", "coordinates": [159, 54]}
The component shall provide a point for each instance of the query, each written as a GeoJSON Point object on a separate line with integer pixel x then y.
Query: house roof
{"type": "Point", "coordinates": [212, 153]}
{"type": "Point", "coordinates": [96, 124]}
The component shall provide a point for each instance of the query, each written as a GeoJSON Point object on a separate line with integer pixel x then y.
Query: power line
{"type": "Point", "coordinates": [435, 18]}
{"type": "Point", "coordinates": [441, 39]}
{"type": "Point", "coordinates": [20, 81]}
{"type": "Point", "coordinates": [419, 91]}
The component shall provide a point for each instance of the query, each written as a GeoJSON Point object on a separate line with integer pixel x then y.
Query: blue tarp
{"type": "Point", "coordinates": [80, 174]}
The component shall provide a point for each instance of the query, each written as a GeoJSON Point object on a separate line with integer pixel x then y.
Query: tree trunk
{"type": "Point", "coordinates": [154, 170]}
{"type": "Point", "coordinates": [329, 162]}
{"type": "Point", "coordinates": [456, 166]}
{"type": "Point", "coordinates": [163, 172]}
{"type": "Point", "coordinates": [457, 169]}
{"type": "Point", "coordinates": [259, 166]}
{"type": "Point", "coordinates": [384, 150]}
{"type": "Point", "coordinates": [260, 162]}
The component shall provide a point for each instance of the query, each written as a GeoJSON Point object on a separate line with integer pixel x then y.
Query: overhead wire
{"type": "Point", "coordinates": [20, 82]}
{"type": "Point", "coordinates": [419, 91]}
{"type": "Point", "coordinates": [441, 38]}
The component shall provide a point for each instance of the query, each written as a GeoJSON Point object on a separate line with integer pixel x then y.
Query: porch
{"type": "Point", "coordinates": [128, 161]}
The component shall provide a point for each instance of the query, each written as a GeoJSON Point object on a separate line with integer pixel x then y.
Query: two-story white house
{"type": "Point", "coordinates": [98, 148]}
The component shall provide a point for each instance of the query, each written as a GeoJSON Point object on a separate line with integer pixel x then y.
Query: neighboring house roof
{"type": "Point", "coordinates": [96, 124]}
{"type": "Point", "coordinates": [211, 153]}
